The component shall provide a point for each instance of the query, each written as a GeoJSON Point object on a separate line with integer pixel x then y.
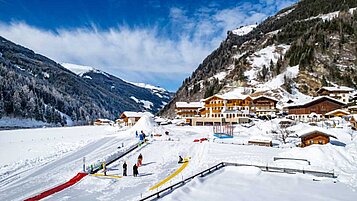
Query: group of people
{"type": "Point", "coordinates": [135, 167]}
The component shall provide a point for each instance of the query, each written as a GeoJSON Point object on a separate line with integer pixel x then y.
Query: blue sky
{"type": "Point", "coordinates": [156, 42]}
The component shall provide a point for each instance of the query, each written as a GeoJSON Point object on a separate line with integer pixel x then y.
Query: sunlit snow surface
{"type": "Point", "coordinates": [36, 159]}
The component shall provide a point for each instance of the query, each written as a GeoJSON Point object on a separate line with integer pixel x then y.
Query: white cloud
{"type": "Point", "coordinates": [140, 54]}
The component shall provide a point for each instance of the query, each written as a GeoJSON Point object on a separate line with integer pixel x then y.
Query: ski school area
{"type": "Point", "coordinates": [171, 163]}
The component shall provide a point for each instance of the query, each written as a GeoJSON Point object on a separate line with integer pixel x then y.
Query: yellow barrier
{"type": "Point", "coordinates": [109, 176]}
{"type": "Point", "coordinates": [171, 176]}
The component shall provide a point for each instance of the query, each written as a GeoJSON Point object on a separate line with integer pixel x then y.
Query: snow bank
{"type": "Point", "coordinates": [145, 124]}
{"type": "Point", "coordinates": [233, 183]}
{"type": "Point", "coordinates": [341, 160]}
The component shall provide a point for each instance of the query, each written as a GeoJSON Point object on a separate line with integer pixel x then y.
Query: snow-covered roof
{"type": "Point", "coordinates": [338, 110]}
{"type": "Point", "coordinates": [188, 104]}
{"type": "Point", "coordinates": [285, 120]}
{"type": "Point", "coordinates": [353, 107]}
{"type": "Point", "coordinates": [137, 114]}
{"type": "Point", "coordinates": [259, 138]}
{"type": "Point", "coordinates": [233, 95]}
{"type": "Point", "coordinates": [312, 129]}
{"type": "Point", "coordinates": [340, 88]}
{"type": "Point", "coordinates": [104, 120]}
{"type": "Point", "coordinates": [264, 96]}
{"type": "Point", "coordinates": [315, 99]}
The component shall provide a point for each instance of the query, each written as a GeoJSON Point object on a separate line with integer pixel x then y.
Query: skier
{"type": "Point", "coordinates": [140, 160]}
{"type": "Point", "coordinates": [180, 159]}
{"type": "Point", "coordinates": [141, 137]}
{"type": "Point", "coordinates": [135, 170]}
{"type": "Point", "coordinates": [125, 168]}
{"type": "Point", "coordinates": [136, 134]}
{"type": "Point", "coordinates": [144, 136]}
{"type": "Point", "coordinates": [104, 169]}
{"type": "Point", "coordinates": [166, 132]}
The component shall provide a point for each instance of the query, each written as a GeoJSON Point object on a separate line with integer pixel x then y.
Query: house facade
{"type": "Point", "coordinates": [264, 106]}
{"type": "Point", "coordinates": [341, 93]}
{"type": "Point", "coordinates": [187, 109]}
{"type": "Point", "coordinates": [130, 118]}
{"type": "Point", "coordinates": [314, 109]}
{"type": "Point", "coordinates": [353, 109]}
{"type": "Point", "coordinates": [99, 122]}
{"type": "Point", "coordinates": [226, 108]}
{"type": "Point", "coordinates": [314, 136]}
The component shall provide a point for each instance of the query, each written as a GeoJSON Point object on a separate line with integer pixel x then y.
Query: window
{"type": "Point", "coordinates": [311, 141]}
{"type": "Point", "coordinates": [320, 142]}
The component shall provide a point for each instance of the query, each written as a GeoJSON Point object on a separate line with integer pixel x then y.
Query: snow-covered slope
{"type": "Point", "coordinates": [152, 101]}
{"type": "Point", "coordinates": [243, 30]}
{"type": "Point", "coordinates": [35, 160]}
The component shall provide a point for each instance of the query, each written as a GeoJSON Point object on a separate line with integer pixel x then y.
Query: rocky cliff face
{"type": "Point", "coordinates": [301, 48]}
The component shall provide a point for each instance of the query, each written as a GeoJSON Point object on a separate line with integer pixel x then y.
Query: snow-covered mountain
{"type": "Point", "coordinates": [38, 89]}
{"type": "Point", "coordinates": [162, 96]}
{"type": "Point", "coordinates": [289, 55]}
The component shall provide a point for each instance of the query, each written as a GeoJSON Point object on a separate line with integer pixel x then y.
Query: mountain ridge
{"type": "Point", "coordinates": [315, 36]}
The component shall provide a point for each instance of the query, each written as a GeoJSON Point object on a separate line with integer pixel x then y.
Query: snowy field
{"type": "Point", "coordinates": [35, 160]}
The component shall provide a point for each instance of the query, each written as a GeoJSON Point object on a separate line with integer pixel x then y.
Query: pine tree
{"type": "Point", "coordinates": [2, 109]}
{"type": "Point", "coordinates": [17, 104]}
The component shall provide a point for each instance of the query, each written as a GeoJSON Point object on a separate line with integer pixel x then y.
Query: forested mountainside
{"type": "Point", "coordinates": [35, 87]}
{"type": "Point", "coordinates": [303, 47]}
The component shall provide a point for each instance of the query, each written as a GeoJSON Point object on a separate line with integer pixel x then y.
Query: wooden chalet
{"type": "Point", "coordinates": [260, 141]}
{"type": "Point", "coordinates": [314, 135]}
{"type": "Point", "coordinates": [341, 93]}
{"type": "Point", "coordinates": [315, 108]}
{"type": "Point", "coordinates": [222, 109]}
{"type": "Point", "coordinates": [99, 122]}
{"type": "Point", "coordinates": [187, 109]}
{"type": "Point", "coordinates": [264, 106]}
{"type": "Point", "coordinates": [353, 109]}
{"type": "Point", "coordinates": [130, 118]}
{"type": "Point", "coordinates": [337, 113]}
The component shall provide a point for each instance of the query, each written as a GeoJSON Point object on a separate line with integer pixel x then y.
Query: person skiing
{"type": "Point", "coordinates": [140, 160]}
{"type": "Point", "coordinates": [144, 136]}
{"type": "Point", "coordinates": [141, 137]}
{"type": "Point", "coordinates": [135, 170]}
{"type": "Point", "coordinates": [104, 169]}
{"type": "Point", "coordinates": [136, 134]}
{"type": "Point", "coordinates": [180, 159]}
{"type": "Point", "coordinates": [166, 132]}
{"type": "Point", "coordinates": [125, 168]}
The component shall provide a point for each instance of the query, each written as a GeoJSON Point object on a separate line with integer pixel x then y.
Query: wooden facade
{"type": "Point", "coordinates": [102, 122]}
{"type": "Point", "coordinates": [130, 118]}
{"type": "Point", "coordinates": [315, 137]}
{"type": "Point", "coordinates": [184, 110]}
{"type": "Point", "coordinates": [340, 93]}
{"type": "Point", "coordinates": [260, 143]}
{"type": "Point", "coordinates": [337, 113]}
{"type": "Point", "coordinates": [353, 109]}
{"type": "Point", "coordinates": [263, 106]}
{"type": "Point", "coordinates": [219, 107]}
{"type": "Point", "coordinates": [319, 107]}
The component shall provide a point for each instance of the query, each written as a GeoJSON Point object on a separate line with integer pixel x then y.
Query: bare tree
{"type": "Point", "coordinates": [281, 133]}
